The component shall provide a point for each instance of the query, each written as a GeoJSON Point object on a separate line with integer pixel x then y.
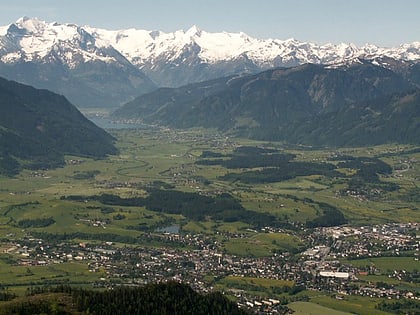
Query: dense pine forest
{"type": "Point", "coordinates": [164, 298]}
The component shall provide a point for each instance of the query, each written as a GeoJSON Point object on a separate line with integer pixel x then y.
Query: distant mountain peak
{"type": "Point", "coordinates": [68, 59]}
{"type": "Point", "coordinates": [24, 19]}
{"type": "Point", "coordinates": [33, 25]}
{"type": "Point", "coordinates": [193, 31]}
{"type": "Point", "coordinates": [162, 56]}
{"type": "Point", "coordinates": [180, 57]}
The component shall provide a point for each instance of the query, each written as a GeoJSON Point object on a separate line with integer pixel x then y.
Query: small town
{"type": "Point", "coordinates": [199, 261]}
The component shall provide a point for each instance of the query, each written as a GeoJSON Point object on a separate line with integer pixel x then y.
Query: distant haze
{"type": "Point", "coordinates": [383, 23]}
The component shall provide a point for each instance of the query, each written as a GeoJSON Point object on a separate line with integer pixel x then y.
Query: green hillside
{"type": "Point", "coordinates": [38, 127]}
{"type": "Point", "coordinates": [351, 105]}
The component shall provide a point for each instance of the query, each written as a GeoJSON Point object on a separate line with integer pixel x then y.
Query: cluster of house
{"type": "Point", "coordinates": [374, 241]}
{"type": "Point", "coordinates": [201, 261]}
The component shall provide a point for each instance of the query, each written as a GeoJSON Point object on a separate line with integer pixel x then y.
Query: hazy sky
{"type": "Point", "coordinates": [380, 22]}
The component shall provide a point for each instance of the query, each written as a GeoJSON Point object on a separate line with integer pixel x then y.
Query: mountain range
{"type": "Point", "coordinates": [265, 89]}
{"type": "Point", "coordinates": [95, 67]}
{"type": "Point", "coordinates": [179, 58]}
{"type": "Point", "coordinates": [357, 103]}
{"type": "Point", "coordinates": [66, 59]}
{"type": "Point", "coordinates": [38, 127]}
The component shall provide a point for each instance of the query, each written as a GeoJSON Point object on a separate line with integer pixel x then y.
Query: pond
{"type": "Point", "coordinates": [106, 123]}
{"type": "Point", "coordinates": [172, 229]}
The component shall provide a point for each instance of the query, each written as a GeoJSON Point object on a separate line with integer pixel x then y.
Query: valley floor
{"type": "Point", "coordinates": [272, 245]}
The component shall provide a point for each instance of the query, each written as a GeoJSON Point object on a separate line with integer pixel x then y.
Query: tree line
{"type": "Point", "coordinates": [193, 206]}
{"type": "Point", "coordinates": [160, 299]}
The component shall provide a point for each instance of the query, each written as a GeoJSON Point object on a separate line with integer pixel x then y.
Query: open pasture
{"type": "Point", "coordinates": [167, 159]}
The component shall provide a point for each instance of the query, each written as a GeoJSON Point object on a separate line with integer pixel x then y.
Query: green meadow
{"type": "Point", "coordinates": [306, 308]}
{"type": "Point", "coordinates": [263, 244]}
{"type": "Point", "coordinates": [170, 158]}
{"type": "Point", "coordinates": [36, 201]}
{"type": "Point", "coordinates": [347, 305]}
{"type": "Point", "coordinates": [388, 264]}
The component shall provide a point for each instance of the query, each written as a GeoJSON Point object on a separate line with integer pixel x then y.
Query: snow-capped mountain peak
{"type": "Point", "coordinates": [193, 31]}
{"type": "Point", "coordinates": [147, 47]}
{"type": "Point", "coordinates": [30, 39]}
{"type": "Point", "coordinates": [163, 55]}
{"type": "Point", "coordinates": [69, 60]}
{"type": "Point", "coordinates": [31, 25]}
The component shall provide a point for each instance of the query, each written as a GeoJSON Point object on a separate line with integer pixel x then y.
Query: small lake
{"type": "Point", "coordinates": [172, 229]}
{"type": "Point", "coordinates": [106, 123]}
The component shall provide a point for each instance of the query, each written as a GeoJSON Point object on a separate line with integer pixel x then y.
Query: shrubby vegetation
{"type": "Point", "coordinates": [404, 306]}
{"type": "Point", "coordinates": [86, 174]}
{"type": "Point", "coordinates": [367, 168]}
{"type": "Point", "coordinates": [144, 227]}
{"type": "Point", "coordinates": [35, 223]}
{"type": "Point", "coordinates": [19, 206]}
{"type": "Point", "coordinates": [210, 154]}
{"type": "Point", "coordinates": [222, 207]}
{"type": "Point", "coordinates": [193, 206]}
{"type": "Point", "coordinates": [250, 157]}
{"type": "Point", "coordinates": [5, 295]}
{"type": "Point", "coordinates": [105, 237]}
{"type": "Point", "coordinates": [8, 165]}
{"type": "Point", "coordinates": [412, 195]}
{"type": "Point", "coordinates": [331, 217]}
{"type": "Point", "coordinates": [366, 180]}
{"type": "Point", "coordinates": [288, 171]}
{"type": "Point", "coordinates": [276, 166]}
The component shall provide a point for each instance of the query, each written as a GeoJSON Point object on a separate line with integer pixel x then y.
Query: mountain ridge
{"type": "Point", "coordinates": [66, 59]}
{"type": "Point", "coordinates": [181, 57]}
{"type": "Point", "coordinates": [38, 127]}
{"type": "Point", "coordinates": [308, 104]}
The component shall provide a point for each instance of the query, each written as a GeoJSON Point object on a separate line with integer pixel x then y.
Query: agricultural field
{"type": "Point", "coordinates": [247, 199]}
{"type": "Point", "coordinates": [304, 308]}
{"type": "Point", "coordinates": [330, 305]}
{"type": "Point", "coordinates": [158, 158]}
{"type": "Point", "coordinates": [349, 305]}
{"type": "Point", "coordinates": [384, 264]}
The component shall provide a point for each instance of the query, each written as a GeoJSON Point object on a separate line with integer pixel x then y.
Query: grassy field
{"type": "Point", "coordinates": [149, 158]}
{"type": "Point", "coordinates": [169, 157]}
{"type": "Point", "coordinates": [258, 286]}
{"type": "Point", "coordinates": [308, 308]}
{"type": "Point", "coordinates": [262, 244]}
{"type": "Point", "coordinates": [18, 277]}
{"type": "Point", "coordinates": [263, 282]}
{"type": "Point", "coordinates": [350, 304]}
{"type": "Point", "coordinates": [388, 264]}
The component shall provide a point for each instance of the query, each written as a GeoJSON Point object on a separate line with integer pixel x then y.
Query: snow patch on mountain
{"type": "Point", "coordinates": [34, 40]}
{"type": "Point", "coordinates": [30, 39]}
{"type": "Point", "coordinates": [3, 30]}
{"type": "Point", "coordinates": [141, 46]}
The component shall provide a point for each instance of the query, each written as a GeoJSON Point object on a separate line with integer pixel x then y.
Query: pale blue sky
{"type": "Point", "coordinates": [380, 22]}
